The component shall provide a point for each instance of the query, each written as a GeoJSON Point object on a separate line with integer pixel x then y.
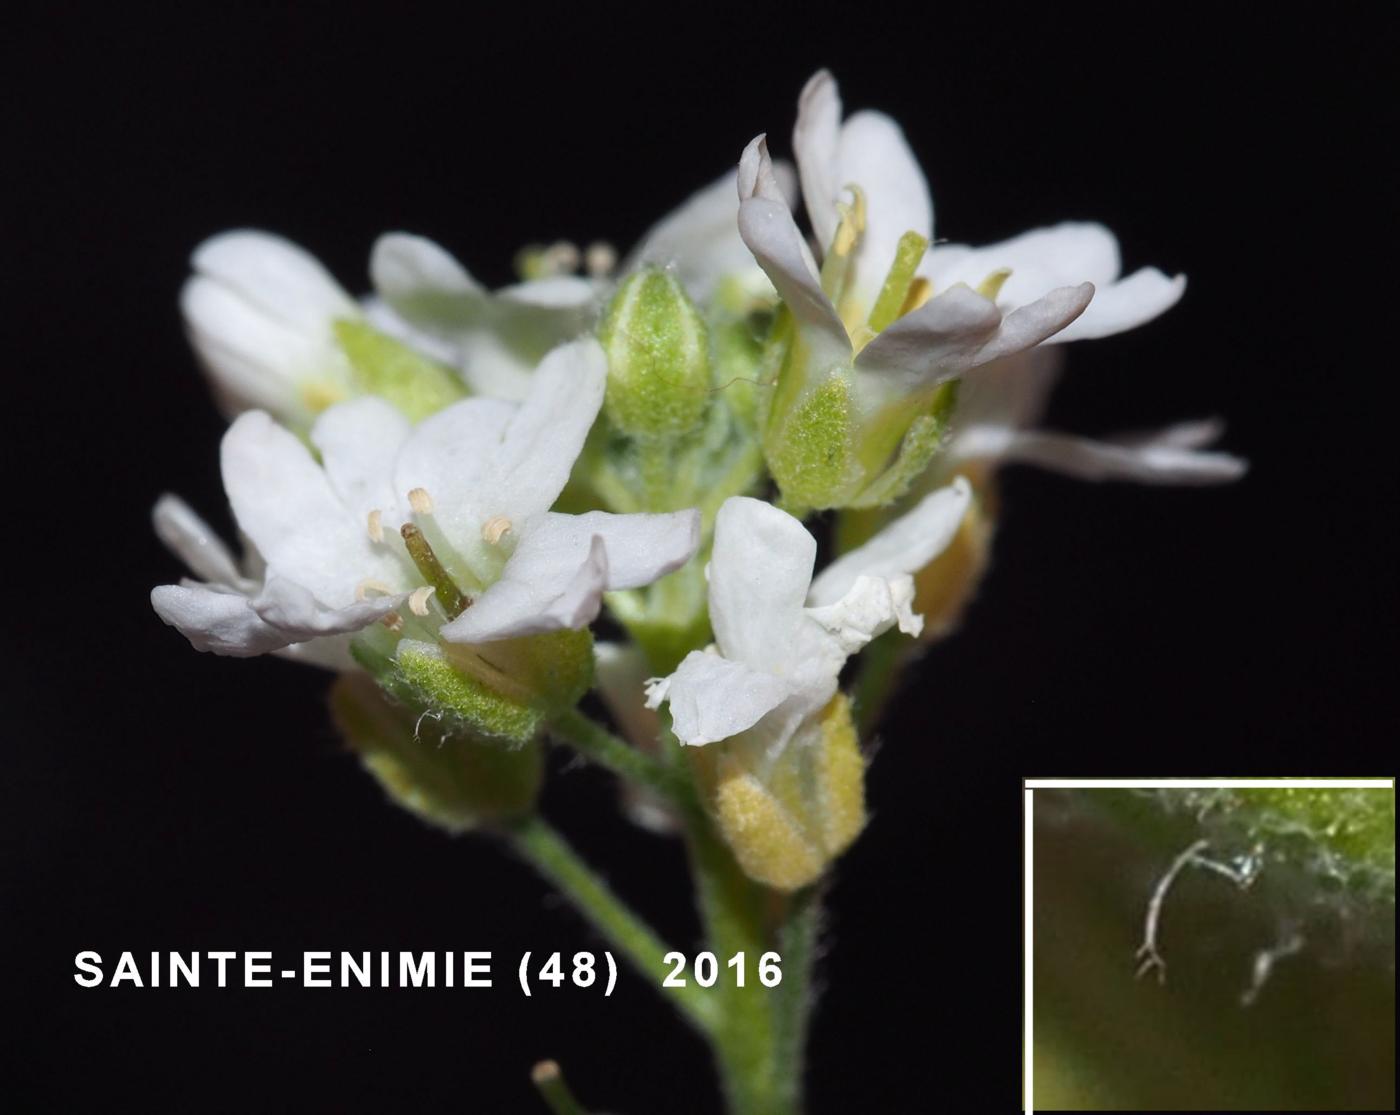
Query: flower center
{"type": "Point", "coordinates": [452, 599]}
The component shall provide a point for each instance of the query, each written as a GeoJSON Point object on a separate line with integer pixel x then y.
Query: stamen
{"type": "Point", "coordinates": [895, 292]}
{"type": "Point", "coordinates": [448, 594]}
{"type": "Point", "coordinates": [991, 286]}
{"type": "Point", "coordinates": [836, 266]}
{"type": "Point", "coordinates": [561, 258]}
{"type": "Point", "coordinates": [368, 585]}
{"type": "Point", "coordinates": [393, 621]}
{"type": "Point", "coordinates": [376, 526]}
{"type": "Point", "coordinates": [494, 528]}
{"type": "Point", "coordinates": [420, 501]}
{"type": "Point", "coordinates": [600, 259]}
{"type": "Point", "coordinates": [920, 291]}
{"type": "Point", "coordinates": [418, 600]}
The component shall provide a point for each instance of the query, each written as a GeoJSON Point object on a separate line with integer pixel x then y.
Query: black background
{"type": "Point", "coordinates": [160, 799]}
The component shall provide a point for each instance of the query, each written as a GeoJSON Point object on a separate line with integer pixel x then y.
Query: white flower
{"type": "Point", "coordinates": [994, 424]}
{"type": "Point", "coordinates": [869, 151]}
{"type": "Point", "coordinates": [456, 508]}
{"type": "Point", "coordinates": [495, 340]}
{"type": "Point", "coordinates": [699, 241]}
{"type": "Point", "coordinates": [951, 333]}
{"type": "Point", "coordinates": [261, 313]}
{"type": "Point", "coordinates": [781, 637]}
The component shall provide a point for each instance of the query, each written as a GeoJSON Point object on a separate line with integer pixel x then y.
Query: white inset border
{"type": "Point", "coordinates": [1028, 867]}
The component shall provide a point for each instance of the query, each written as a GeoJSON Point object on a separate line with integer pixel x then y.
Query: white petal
{"type": "Point", "coordinates": [1063, 255]}
{"type": "Point", "coordinates": [936, 342]}
{"type": "Point", "coordinates": [713, 698]}
{"type": "Point", "coordinates": [1029, 325]}
{"type": "Point", "coordinates": [425, 285]}
{"type": "Point", "coordinates": [875, 157]}
{"type": "Point", "coordinates": [869, 607]}
{"type": "Point", "coordinates": [767, 227]}
{"type": "Point", "coordinates": [194, 542]}
{"type": "Point", "coordinates": [220, 621]}
{"type": "Point", "coordinates": [281, 279]}
{"type": "Point", "coordinates": [359, 442]}
{"type": "Point", "coordinates": [497, 339]}
{"type": "Point", "coordinates": [1011, 392]}
{"type": "Point", "coordinates": [816, 139]}
{"type": "Point", "coordinates": [284, 502]}
{"type": "Point", "coordinates": [557, 292]}
{"type": "Point", "coordinates": [700, 240]}
{"type": "Point", "coordinates": [448, 455]}
{"type": "Point", "coordinates": [330, 653]}
{"type": "Point", "coordinates": [555, 579]}
{"type": "Point", "coordinates": [381, 315]}
{"type": "Point", "coordinates": [1154, 462]}
{"type": "Point", "coordinates": [903, 546]}
{"type": "Point", "coordinates": [1195, 434]}
{"type": "Point", "coordinates": [256, 359]}
{"type": "Point", "coordinates": [296, 612]}
{"type": "Point", "coordinates": [621, 673]}
{"type": "Point", "coordinates": [1059, 255]}
{"type": "Point", "coordinates": [536, 453]}
{"type": "Point", "coordinates": [759, 572]}
{"type": "Point", "coordinates": [1125, 305]}
{"type": "Point", "coordinates": [641, 548]}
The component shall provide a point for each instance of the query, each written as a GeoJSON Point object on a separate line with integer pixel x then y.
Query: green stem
{"type": "Point", "coordinates": [758, 1045]}
{"type": "Point", "coordinates": [550, 854]}
{"type": "Point", "coordinates": [793, 999]}
{"type": "Point", "coordinates": [595, 742]}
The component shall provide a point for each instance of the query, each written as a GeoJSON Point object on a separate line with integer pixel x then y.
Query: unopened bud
{"type": "Point", "coordinates": [658, 358]}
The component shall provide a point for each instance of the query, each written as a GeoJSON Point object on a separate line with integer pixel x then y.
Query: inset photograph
{"type": "Point", "coordinates": [1211, 945]}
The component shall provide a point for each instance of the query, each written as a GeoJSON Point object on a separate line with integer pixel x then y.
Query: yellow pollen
{"type": "Point", "coordinates": [368, 585]}
{"type": "Point", "coordinates": [494, 528]}
{"type": "Point", "coordinates": [418, 601]}
{"type": "Point", "coordinates": [376, 526]}
{"type": "Point", "coordinates": [420, 501]}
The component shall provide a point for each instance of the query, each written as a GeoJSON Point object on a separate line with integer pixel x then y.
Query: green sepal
{"type": "Point", "coordinates": [811, 450]}
{"type": "Point", "coordinates": [502, 692]}
{"type": "Point", "coordinates": [449, 779]}
{"type": "Point", "coordinates": [919, 446]}
{"type": "Point", "coordinates": [390, 369]}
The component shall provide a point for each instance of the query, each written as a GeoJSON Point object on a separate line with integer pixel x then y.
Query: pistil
{"type": "Point", "coordinates": [453, 602]}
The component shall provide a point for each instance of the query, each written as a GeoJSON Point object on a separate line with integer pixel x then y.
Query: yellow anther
{"type": "Point", "coordinates": [991, 286]}
{"type": "Point", "coordinates": [920, 291]}
{"type": "Point", "coordinates": [318, 394]}
{"type": "Point", "coordinates": [852, 224]}
{"type": "Point", "coordinates": [376, 525]}
{"type": "Point", "coordinates": [420, 501]}
{"type": "Point", "coordinates": [494, 529]}
{"type": "Point", "coordinates": [368, 585]}
{"type": "Point", "coordinates": [418, 600]}
{"type": "Point", "coordinates": [599, 259]}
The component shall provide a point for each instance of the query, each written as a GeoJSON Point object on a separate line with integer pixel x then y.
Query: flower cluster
{"type": "Point", "coordinates": [440, 487]}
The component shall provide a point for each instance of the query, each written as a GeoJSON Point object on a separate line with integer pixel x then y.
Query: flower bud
{"type": "Point", "coordinates": [658, 358]}
{"type": "Point", "coordinates": [449, 779]}
{"type": "Point", "coordinates": [787, 821]}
